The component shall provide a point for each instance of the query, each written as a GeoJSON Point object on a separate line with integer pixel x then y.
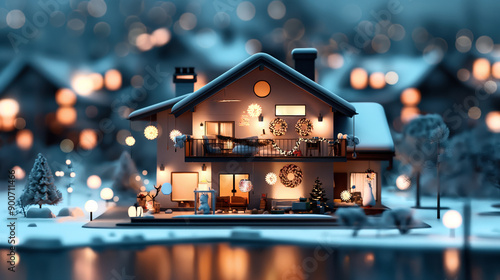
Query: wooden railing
{"type": "Point", "coordinates": [266, 148]}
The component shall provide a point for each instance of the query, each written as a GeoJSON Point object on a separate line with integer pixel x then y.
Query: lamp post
{"type": "Point", "coordinates": [452, 220]}
{"type": "Point", "coordinates": [91, 206]}
{"type": "Point", "coordinates": [107, 195]}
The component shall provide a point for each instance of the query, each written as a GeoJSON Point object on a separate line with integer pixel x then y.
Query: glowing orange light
{"type": "Point", "coordinates": [113, 79]}
{"type": "Point", "coordinates": [66, 115]}
{"type": "Point", "coordinates": [88, 139]}
{"type": "Point", "coordinates": [493, 121]}
{"type": "Point", "coordinates": [144, 42]}
{"type": "Point", "coordinates": [410, 97]}
{"type": "Point", "coordinates": [359, 78]}
{"type": "Point", "coordinates": [481, 69]}
{"type": "Point", "coordinates": [20, 173]}
{"type": "Point", "coordinates": [97, 81]}
{"type": "Point", "coordinates": [452, 262]}
{"type": "Point", "coordinates": [8, 123]}
{"type": "Point", "coordinates": [377, 80]}
{"type": "Point", "coordinates": [24, 139]}
{"type": "Point", "coordinates": [65, 97]}
{"type": "Point", "coordinates": [161, 36]}
{"type": "Point", "coordinates": [8, 108]}
{"type": "Point", "coordinates": [409, 113]}
{"type": "Point", "coordinates": [495, 70]}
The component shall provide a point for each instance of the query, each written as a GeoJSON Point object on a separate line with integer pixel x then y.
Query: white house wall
{"type": "Point", "coordinates": [282, 92]}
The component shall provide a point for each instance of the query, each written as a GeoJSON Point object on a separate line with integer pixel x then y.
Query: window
{"type": "Point", "coordinates": [183, 185]}
{"type": "Point", "coordinates": [262, 89]}
{"type": "Point", "coordinates": [291, 110]}
{"type": "Point", "coordinates": [229, 185]}
{"type": "Point", "coordinates": [219, 128]}
{"type": "Point", "coordinates": [361, 182]}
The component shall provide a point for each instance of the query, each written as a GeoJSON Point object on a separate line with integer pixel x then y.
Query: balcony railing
{"type": "Point", "coordinates": [266, 148]}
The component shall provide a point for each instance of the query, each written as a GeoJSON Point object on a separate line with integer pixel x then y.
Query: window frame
{"type": "Point", "coordinates": [276, 107]}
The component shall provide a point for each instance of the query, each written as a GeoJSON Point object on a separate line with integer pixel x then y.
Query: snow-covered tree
{"type": "Point", "coordinates": [125, 174]}
{"type": "Point", "coordinates": [40, 188]}
{"type": "Point", "coordinates": [420, 143]}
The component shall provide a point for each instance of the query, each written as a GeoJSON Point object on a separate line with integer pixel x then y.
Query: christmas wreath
{"type": "Point", "coordinates": [291, 169]}
{"type": "Point", "coordinates": [299, 127]}
{"type": "Point", "coordinates": [278, 131]}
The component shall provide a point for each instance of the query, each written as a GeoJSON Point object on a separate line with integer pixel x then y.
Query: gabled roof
{"type": "Point", "coordinates": [155, 108]}
{"type": "Point", "coordinates": [254, 61]}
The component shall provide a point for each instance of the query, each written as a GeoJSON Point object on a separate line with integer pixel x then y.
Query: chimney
{"type": "Point", "coordinates": [184, 79]}
{"type": "Point", "coordinates": [304, 61]}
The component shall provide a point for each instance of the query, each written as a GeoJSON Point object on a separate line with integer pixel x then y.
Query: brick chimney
{"type": "Point", "coordinates": [184, 79]}
{"type": "Point", "coordinates": [304, 61]}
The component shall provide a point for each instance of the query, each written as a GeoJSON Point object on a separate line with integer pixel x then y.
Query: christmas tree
{"type": "Point", "coordinates": [40, 188]}
{"type": "Point", "coordinates": [318, 194]}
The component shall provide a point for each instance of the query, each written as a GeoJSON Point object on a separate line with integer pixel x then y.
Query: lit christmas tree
{"type": "Point", "coordinates": [40, 188]}
{"type": "Point", "coordinates": [318, 194]}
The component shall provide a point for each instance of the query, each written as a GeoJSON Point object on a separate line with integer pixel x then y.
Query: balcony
{"type": "Point", "coordinates": [304, 149]}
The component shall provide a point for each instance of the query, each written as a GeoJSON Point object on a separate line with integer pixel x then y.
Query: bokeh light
{"type": "Point", "coordinates": [481, 69]}
{"type": "Point", "coordinates": [19, 172]}
{"type": "Point", "coordinates": [15, 19]}
{"type": "Point", "coordinates": [276, 10]}
{"type": "Point", "coordinates": [88, 139]}
{"type": "Point", "coordinates": [130, 141]}
{"type": "Point", "coordinates": [335, 60]}
{"type": "Point", "coordinates": [24, 139]}
{"type": "Point", "coordinates": [495, 70]}
{"type": "Point", "coordinates": [245, 11]}
{"type": "Point", "coordinates": [474, 113]}
{"type": "Point", "coordinates": [144, 42]}
{"type": "Point", "coordinates": [452, 219]}
{"type": "Point", "coordinates": [97, 81]}
{"type": "Point", "coordinates": [359, 78]}
{"type": "Point", "coordinates": [410, 97]}
{"type": "Point", "coordinates": [106, 194]}
{"type": "Point", "coordinates": [484, 44]}
{"type": "Point", "coordinates": [113, 79]}
{"type": "Point", "coordinates": [463, 44]}
{"type": "Point", "coordinates": [391, 78]}
{"type": "Point", "coordinates": [94, 182]}
{"type": "Point", "coordinates": [377, 80]}
{"type": "Point", "coordinates": [66, 115]}
{"type": "Point", "coordinates": [161, 36]}
{"type": "Point", "coordinates": [67, 145]}
{"type": "Point", "coordinates": [65, 97]}
{"type": "Point", "coordinates": [403, 182]}
{"type": "Point", "coordinates": [82, 84]}
{"type": "Point", "coordinates": [463, 75]}
{"type": "Point", "coordinates": [381, 43]}
{"type": "Point", "coordinates": [20, 123]}
{"type": "Point", "coordinates": [493, 121]}
{"type": "Point", "coordinates": [8, 108]}
{"type": "Point", "coordinates": [187, 21]}
{"type": "Point", "coordinates": [409, 113]}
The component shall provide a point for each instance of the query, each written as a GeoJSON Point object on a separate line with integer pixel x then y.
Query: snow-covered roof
{"type": "Point", "coordinates": [155, 108]}
{"type": "Point", "coordinates": [254, 61]}
{"type": "Point", "coordinates": [371, 127]}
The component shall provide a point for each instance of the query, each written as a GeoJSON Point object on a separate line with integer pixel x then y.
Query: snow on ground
{"type": "Point", "coordinates": [68, 231]}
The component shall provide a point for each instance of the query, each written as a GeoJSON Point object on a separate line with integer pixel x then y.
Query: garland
{"type": "Point", "coordinates": [300, 130]}
{"type": "Point", "coordinates": [283, 127]}
{"type": "Point", "coordinates": [297, 144]}
{"type": "Point", "coordinates": [297, 175]}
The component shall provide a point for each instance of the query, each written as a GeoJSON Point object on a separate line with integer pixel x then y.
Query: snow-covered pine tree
{"type": "Point", "coordinates": [317, 194]}
{"type": "Point", "coordinates": [40, 188]}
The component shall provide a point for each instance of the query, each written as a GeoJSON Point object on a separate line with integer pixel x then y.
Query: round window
{"type": "Point", "coordinates": [262, 89]}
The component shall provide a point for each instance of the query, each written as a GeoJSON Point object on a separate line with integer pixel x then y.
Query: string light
{"type": "Point", "coordinates": [271, 178]}
{"type": "Point", "coordinates": [130, 141]}
{"type": "Point", "coordinates": [254, 110]}
{"type": "Point", "coordinates": [345, 196]}
{"type": "Point", "coordinates": [174, 133]}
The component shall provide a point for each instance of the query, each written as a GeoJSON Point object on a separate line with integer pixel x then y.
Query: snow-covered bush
{"type": "Point", "coordinates": [40, 213]}
{"type": "Point", "coordinates": [353, 217]}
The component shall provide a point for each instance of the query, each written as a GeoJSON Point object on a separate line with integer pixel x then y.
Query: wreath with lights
{"type": "Point", "coordinates": [291, 169]}
{"type": "Point", "coordinates": [278, 131]}
{"type": "Point", "coordinates": [299, 127]}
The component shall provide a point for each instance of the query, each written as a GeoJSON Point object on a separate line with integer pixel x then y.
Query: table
{"type": "Point", "coordinates": [196, 192]}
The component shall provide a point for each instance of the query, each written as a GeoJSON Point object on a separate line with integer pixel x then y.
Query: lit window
{"type": "Point", "coordinates": [291, 110]}
{"type": "Point", "coordinates": [262, 89]}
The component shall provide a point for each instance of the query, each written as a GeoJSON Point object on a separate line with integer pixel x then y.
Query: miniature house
{"type": "Point", "coordinates": [271, 124]}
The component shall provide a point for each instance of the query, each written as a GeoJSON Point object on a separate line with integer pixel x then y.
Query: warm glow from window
{"type": "Point", "coordinates": [113, 79]}
{"type": "Point", "coordinates": [481, 69]}
{"type": "Point", "coordinates": [66, 115]}
{"type": "Point", "coordinates": [65, 97]}
{"type": "Point", "coordinates": [290, 110]}
{"type": "Point", "coordinates": [24, 139]}
{"type": "Point", "coordinates": [82, 84]}
{"type": "Point", "coordinates": [377, 80]}
{"type": "Point", "coordinates": [8, 108]}
{"type": "Point", "coordinates": [88, 139]}
{"type": "Point", "coordinates": [409, 113]}
{"type": "Point", "coordinates": [493, 121]}
{"type": "Point", "coordinates": [262, 89]}
{"type": "Point", "coordinates": [495, 70]}
{"type": "Point", "coordinates": [359, 78]}
{"type": "Point", "coordinates": [410, 97]}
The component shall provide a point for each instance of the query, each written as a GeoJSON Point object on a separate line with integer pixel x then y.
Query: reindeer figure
{"type": "Point", "coordinates": [155, 207]}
